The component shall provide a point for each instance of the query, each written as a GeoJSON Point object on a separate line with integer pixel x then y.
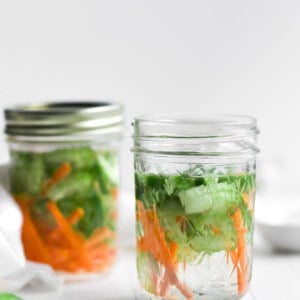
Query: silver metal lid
{"type": "Point", "coordinates": [64, 119]}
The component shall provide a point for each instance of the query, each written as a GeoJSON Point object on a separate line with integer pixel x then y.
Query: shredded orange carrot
{"type": "Point", "coordinates": [237, 219]}
{"type": "Point", "coordinates": [141, 245]}
{"type": "Point", "coordinates": [242, 282]}
{"type": "Point", "coordinates": [239, 256]}
{"type": "Point", "coordinates": [173, 249]}
{"type": "Point", "coordinates": [165, 284]}
{"type": "Point", "coordinates": [115, 193]}
{"type": "Point", "coordinates": [34, 246]}
{"type": "Point", "coordinates": [184, 265]}
{"type": "Point", "coordinates": [154, 236]}
{"type": "Point", "coordinates": [55, 235]}
{"type": "Point", "coordinates": [185, 291]}
{"type": "Point", "coordinates": [172, 297]}
{"type": "Point", "coordinates": [91, 256]}
{"type": "Point", "coordinates": [63, 247]}
{"type": "Point", "coordinates": [234, 258]}
{"type": "Point", "coordinates": [74, 240]}
{"type": "Point", "coordinates": [64, 225]}
{"type": "Point", "coordinates": [154, 241]}
{"type": "Point", "coordinates": [24, 199]}
{"type": "Point", "coordinates": [248, 200]}
{"type": "Point", "coordinates": [98, 237]}
{"type": "Point", "coordinates": [77, 214]}
{"type": "Point", "coordinates": [227, 256]}
{"type": "Point", "coordinates": [62, 171]}
{"type": "Point", "coordinates": [155, 281]}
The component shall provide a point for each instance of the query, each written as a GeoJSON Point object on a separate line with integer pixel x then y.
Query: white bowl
{"type": "Point", "coordinates": [278, 220]}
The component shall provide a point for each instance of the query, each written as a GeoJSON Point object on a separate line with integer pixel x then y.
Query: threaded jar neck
{"type": "Point", "coordinates": [196, 135]}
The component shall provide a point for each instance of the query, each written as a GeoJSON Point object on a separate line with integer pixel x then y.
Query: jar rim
{"type": "Point", "coordinates": [194, 125]}
{"type": "Point", "coordinates": [195, 134]}
{"type": "Point", "coordinates": [197, 118]}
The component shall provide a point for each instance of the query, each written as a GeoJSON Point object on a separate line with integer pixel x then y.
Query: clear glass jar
{"type": "Point", "coordinates": [64, 176]}
{"type": "Point", "coordinates": [195, 190]}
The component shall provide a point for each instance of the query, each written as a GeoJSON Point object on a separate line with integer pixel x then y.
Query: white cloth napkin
{"type": "Point", "coordinates": [15, 272]}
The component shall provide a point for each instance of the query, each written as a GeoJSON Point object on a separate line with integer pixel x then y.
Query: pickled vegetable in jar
{"type": "Point", "coordinates": [195, 191]}
{"type": "Point", "coordinates": [64, 176]}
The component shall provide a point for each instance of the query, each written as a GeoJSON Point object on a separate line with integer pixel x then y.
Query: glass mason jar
{"type": "Point", "coordinates": [195, 190]}
{"type": "Point", "coordinates": [64, 176]}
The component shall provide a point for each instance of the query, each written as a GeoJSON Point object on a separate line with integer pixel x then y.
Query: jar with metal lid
{"type": "Point", "coordinates": [195, 191]}
{"type": "Point", "coordinates": [64, 176]}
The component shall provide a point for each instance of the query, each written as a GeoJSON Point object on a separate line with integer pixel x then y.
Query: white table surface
{"type": "Point", "coordinates": [276, 276]}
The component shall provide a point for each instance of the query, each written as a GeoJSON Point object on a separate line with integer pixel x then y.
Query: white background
{"type": "Point", "coordinates": [159, 56]}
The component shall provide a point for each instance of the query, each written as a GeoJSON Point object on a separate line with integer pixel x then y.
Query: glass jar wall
{"type": "Point", "coordinates": [64, 176]}
{"type": "Point", "coordinates": [195, 191]}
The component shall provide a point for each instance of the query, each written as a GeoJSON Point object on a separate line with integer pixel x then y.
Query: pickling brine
{"type": "Point", "coordinates": [194, 234]}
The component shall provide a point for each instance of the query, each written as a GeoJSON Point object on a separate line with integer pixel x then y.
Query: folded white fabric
{"type": "Point", "coordinates": [34, 277]}
{"type": "Point", "coordinates": [15, 273]}
{"type": "Point", "coordinates": [11, 252]}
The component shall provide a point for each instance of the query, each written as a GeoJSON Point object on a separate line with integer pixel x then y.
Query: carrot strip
{"type": "Point", "coordinates": [100, 249]}
{"type": "Point", "coordinates": [98, 257]}
{"type": "Point", "coordinates": [154, 241]}
{"type": "Point", "coordinates": [185, 291]}
{"type": "Point", "coordinates": [173, 249]}
{"type": "Point", "coordinates": [98, 237]}
{"type": "Point", "coordinates": [63, 224]}
{"type": "Point", "coordinates": [237, 219]}
{"type": "Point", "coordinates": [57, 239]}
{"type": "Point", "coordinates": [60, 173]}
{"type": "Point", "coordinates": [141, 245]}
{"type": "Point", "coordinates": [227, 256]}
{"type": "Point", "coordinates": [115, 193]}
{"type": "Point", "coordinates": [172, 297]}
{"type": "Point", "coordinates": [75, 241]}
{"type": "Point", "coordinates": [35, 248]}
{"type": "Point", "coordinates": [60, 254]}
{"type": "Point", "coordinates": [239, 256]}
{"type": "Point", "coordinates": [62, 247]}
{"type": "Point", "coordinates": [242, 282]}
{"type": "Point", "coordinates": [56, 236]}
{"type": "Point", "coordinates": [234, 258]}
{"type": "Point", "coordinates": [24, 198]}
{"type": "Point", "coordinates": [184, 265]}
{"type": "Point", "coordinates": [77, 214]}
{"type": "Point", "coordinates": [154, 236]}
{"type": "Point", "coordinates": [104, 257]}
{"type": "Point", "coordinates": [102, 261]}
{"type": "Point", "coordinates": [165, 284]}
{"type": "Point", "coordinates": [155, 280]}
